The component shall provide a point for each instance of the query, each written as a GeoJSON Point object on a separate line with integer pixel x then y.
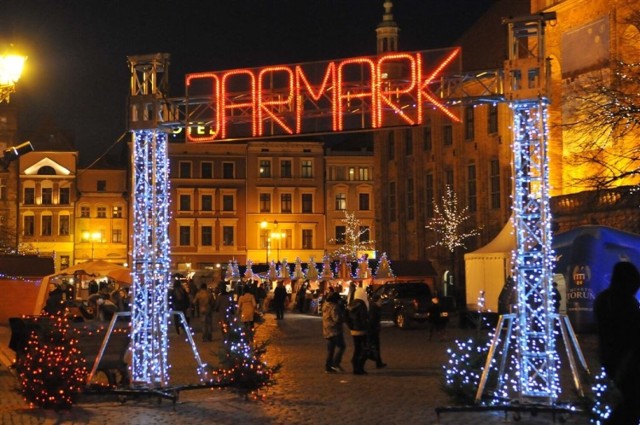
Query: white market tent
{"type": "Point", "coordinates": [487, 269]}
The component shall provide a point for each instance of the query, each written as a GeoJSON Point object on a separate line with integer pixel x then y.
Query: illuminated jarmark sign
{"type": "Point", "coordinates": [340, 95]}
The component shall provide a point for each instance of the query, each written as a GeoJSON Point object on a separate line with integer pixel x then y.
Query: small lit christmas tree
{"type": "Point", "coordinates": [52, 371]}
{"type": "Point", "coordinates": [327, 273]}
{"type": "Point", "coordinates": [297, 270]}
{"type": "Point", "coordinates": [355, 238]}
{"type": "Point", "coordinates": [384, 268]}
{"type": "Point", "coordinates": [242, 367]}
{"type": "Point", "coordinates": [312, 270]}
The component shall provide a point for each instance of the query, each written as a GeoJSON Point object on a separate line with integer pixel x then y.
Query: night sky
{"type": "Point", "coordinates": [77, 78]}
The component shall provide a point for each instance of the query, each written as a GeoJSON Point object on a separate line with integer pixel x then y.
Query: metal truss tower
{"type": "Point", "coordinates": [526, 89]}
{"type": "Point", "coordinates": [151, 246]}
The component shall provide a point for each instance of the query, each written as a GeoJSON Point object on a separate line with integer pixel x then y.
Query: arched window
{"type": "Point", "coordinates": [46, 171]}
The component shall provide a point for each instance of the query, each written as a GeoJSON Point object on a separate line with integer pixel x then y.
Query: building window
{"type": "Point", "coordinates": [47, 196]}
{"type": "Point", "coordinates": [495, 183]}
{"type": "Point", "coordinates": [265, 168]}
{"type": "Point", "coordinates": [46, 225]}
{"type": "Point", "coordinates": [429, 197]}
{"type": "Point", "coordinates": [352, 173]}
{"type": "Point", "coordinates": [391, 152]}
{"type": "Point", "coordinates": [448, 177]}
{"type": "Point", "coordinates": [340, 234]}
{"type": "Point", "coordinates": [363, 201]}
{"type": "Point", "coordinates": [392, 202]}
{"type": "Point", "coordinates": [426, 138]}
{"type": "Point", "coordinates": [285, 203]}
{"type": "Point", "coordinates": [206, 203]}
{"type": "Point", "coordinates": [469, 119]}
{"type": "Point", "coordinates": [102, 212]}
{"type": "Point", "coordinates": [116, 212]}
{"type": "Point", "coordinates": [206, 170]}
{"type": "Point", "coordinates": [29, 225]}
{"type": "Point", "coordinates": [265, 202]}
{"type": "Point", "coordinates": [472, 195]}
{"type": "Point", "coordinates": [307, 203]}
{"type": "Point", "coordinates": [29, 196]}
{"type": "Point", "coordinates": [206, 236]}
{"type": "Point", "coordinates": [64, 262]}
{"type": "Point", "coordinates": [341, 173]}
{"type": "Point", "coordinates": [227, 203]}
{"type": "Point", "coordinates": [363, 174]}
{"type": "Point", "coordinates": [341, 201]}
{"type": "Point", "coordinates": [285, 168]}
{"type": "Point", "coordinates": [184, 170]}
{"type": "Point", "coordinates": [3, 189]}
{"type": "Point", "coordinates": [492, 118]}
{"type": "Point", "coordinates": [101, 185]}
{"type": "Point", "coordinates": [185, 202]}
{"type": "Point", "coordinates": [410, 199]}
{"type": "Point", "coordinates": [365, 234]}
{"type": "Point", "coordinates": [228, 170]}
{"type": "Point", "coordinates": [85, 212]}
{"type": "Point", "coordinates": [408, 142]}
{"type": "Point", "coordinates": [64, 196]}
{"type": "Point", "coordinates": [227, 236]}
{"type": "Point", "coordinates": [63, 229]}
{"type": "Point", "coordinates": [307, 239]}
{"type": "Point", "coordinates": [185, 235]}
{"type": "Point", "coordinates": [116, 236]}
{"type": "Point", "coordinates": [447, 134]}
{"type": "Point", "coordinates": [264, 239]}
{"type": "Point", "coordinates": [307, 168]}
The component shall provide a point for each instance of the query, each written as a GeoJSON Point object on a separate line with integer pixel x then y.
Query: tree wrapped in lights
{"type": "Point", "coordinates": [355, 238]}
{"type": "Point", "coordinates": [242, 367]}
{"type": "Point", "coordinates": [448, 223]}
{"type": "Point", "coordinates": [53, 371]}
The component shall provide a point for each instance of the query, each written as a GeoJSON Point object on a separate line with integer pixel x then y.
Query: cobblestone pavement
{"type": "Point", "coordinates": [407, 391]}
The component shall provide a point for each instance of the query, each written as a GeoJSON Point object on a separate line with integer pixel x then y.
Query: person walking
{"type": "Point", "coordinates": [279, 300]}
{"type": "Point", "coordinates": [181, 303]}
{"type": "Point", "coordinates": [224, 305]}
{"type": "Point", "coordinates": [374, 332]}
{"type": "Point", "coordinates": [617, 313]}
{"type": "Point", "coordinates": [332, 331]}
{"type": "Point", "coordinates": [247, 310]}
{"type": "Point", "coordinates": [203, 305]}
{"type": "Point", "coordinates": [358, 322]}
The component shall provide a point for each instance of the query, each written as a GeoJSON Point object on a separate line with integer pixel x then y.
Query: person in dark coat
{"type": "Point", "coordinates": [332, 331]}
{"type": "Point", "coordinates": [374, 332]}
{"type": "Point", "coordinates": [617, 313]}
{"type": "Point", "coordinates": [180, 302]}
{"type": "Point", "coordinates": [358, 322]}
{"type": "Point", "coordinates": [279, 300]}
{"type": "Point", "coordinates": [55, 302]}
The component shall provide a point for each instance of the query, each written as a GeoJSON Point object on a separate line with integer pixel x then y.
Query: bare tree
{"type": "Point", "coordinates": [602, 116]}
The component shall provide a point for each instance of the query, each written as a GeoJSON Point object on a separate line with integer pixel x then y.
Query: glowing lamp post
{"type": "Point", "coordinates": [92, 237]}
{"type": "Point", "coordinates": [10, 71]}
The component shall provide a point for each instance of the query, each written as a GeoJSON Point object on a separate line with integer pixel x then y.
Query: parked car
{"type": "Point", "coordinates": [404, 302]}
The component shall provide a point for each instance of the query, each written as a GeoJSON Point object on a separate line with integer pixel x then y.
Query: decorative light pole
{"type": "Point", "coordinates": [92, 237]}
{"type": "Point", "coordinates": [10, 71]}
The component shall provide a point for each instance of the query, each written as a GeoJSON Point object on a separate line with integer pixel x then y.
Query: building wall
{"type": "Point", "coordinates": [46, 200]}
{"type": "Point", "coordinates": [349, 176]}
{"type": "Point", "coordinates": [285, 201]}
{"type": "Point", "coordinates": [8, 178]}
{"type": "Point", "coordinates": [102, 211]}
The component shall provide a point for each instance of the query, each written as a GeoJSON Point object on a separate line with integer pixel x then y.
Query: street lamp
{"type": "Point", "coordinates": [10, 70]}
{"type": "Point", "coordinates": [92, 237]}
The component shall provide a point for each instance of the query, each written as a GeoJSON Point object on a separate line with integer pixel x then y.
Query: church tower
{"type": "Point", "coordinates": [387, 31]}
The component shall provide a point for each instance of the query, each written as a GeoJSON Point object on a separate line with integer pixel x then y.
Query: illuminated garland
{"type": "Point", "coordinates": [21, 278]}
{"type": "Point", "coordinates": [151, 258]}
{"type": "Point", "coordinates": [605, 396]}
{"type": "Point", "coordinates": [52, 371]}
{"type": "Point", "coordinates": [533, 256]}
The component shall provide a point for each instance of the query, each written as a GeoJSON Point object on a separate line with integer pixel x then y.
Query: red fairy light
{"type": "Point", "coordinates": [389, 89]}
